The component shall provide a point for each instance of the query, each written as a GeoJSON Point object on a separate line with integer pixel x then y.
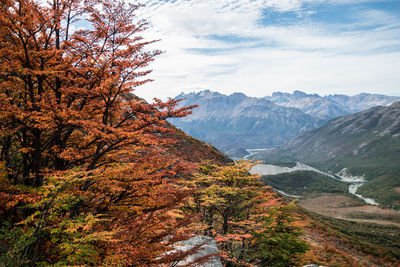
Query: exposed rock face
{"type": "Point", "coordinates": [332, 106]}
{"type": "Point", "coordinates": [236, 120]}
{"type": "Point", "coordinates": [209, 248]}
{"type": "Point", "coordinates": [313, 105]}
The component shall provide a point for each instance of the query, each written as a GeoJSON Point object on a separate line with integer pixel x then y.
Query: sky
{"type": "Point", "coordinates": [261, 46]}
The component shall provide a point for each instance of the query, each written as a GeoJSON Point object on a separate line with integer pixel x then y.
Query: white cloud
{"type": "Point", "coordinates": [320, 58]}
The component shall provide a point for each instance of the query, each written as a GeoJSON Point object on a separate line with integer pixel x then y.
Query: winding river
{"type": "Point", "coordinates": [354, 182]}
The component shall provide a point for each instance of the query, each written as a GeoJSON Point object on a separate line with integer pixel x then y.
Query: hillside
{"type": "Point", "coordinates": [366, 144]}
{"type": "Point", "coordinates": [193, 150]}
{"type": "Point", "coordinates": [369, 137]}
{"type": "Point", "coordinates": [301, 183]}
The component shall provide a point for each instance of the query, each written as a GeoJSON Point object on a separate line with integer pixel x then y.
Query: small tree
{"type": "Point", "coordinates": [245, 217]}
{"type": "Point", "coordinates": [279, 242]}
{"type": "Point", "coordinates": [225, 193]}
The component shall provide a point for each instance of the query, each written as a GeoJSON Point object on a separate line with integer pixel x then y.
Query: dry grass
{"type": "Point", "coordinates": [344, 207]}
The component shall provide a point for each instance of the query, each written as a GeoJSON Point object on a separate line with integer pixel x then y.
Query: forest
{"type": "Point", "coordinates": [89, 172]}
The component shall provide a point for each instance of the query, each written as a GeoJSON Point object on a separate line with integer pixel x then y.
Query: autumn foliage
{"type": "Point", "coordinates": [252, 225]}
{"type": "Point", "coordinates": [92, 175]}
{"type": "Point", "coordinates": [85, 177]}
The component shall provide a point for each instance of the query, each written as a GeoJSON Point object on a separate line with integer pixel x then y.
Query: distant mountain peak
{"type": "Point", "coordinates": [238, 121]}
{"type": "Point", "coordinates": [199, 94]}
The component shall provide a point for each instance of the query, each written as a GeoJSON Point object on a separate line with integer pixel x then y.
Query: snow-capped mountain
{"type": "Point", "coordinates": [331, 106]}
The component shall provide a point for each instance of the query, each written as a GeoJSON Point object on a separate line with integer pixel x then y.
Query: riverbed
{"type": "Point", "coordinates": [354, 182]}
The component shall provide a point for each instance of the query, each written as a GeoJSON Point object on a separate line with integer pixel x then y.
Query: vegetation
{"type": "Point", "coordinates": [84, 179]}
{"type": "Point", "coordinates": [382, 189]}
{"type": "Point", "coordinates": [92, 175]}
{"type": "Point", "coordinates": [251, 224]}
{"type": "Point", "coordinates": [378, 241]}
{"type": "Point", "coordinates": [304, 182]}
{"type": "Point", "coordinates": [279, 243]}
{"type": "Point", "coordinates": [372, 216]}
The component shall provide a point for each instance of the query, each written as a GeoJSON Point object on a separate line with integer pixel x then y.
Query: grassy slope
{"type": "Point", "coordinates": [382, 157]}
{"type": "Point", "coordinates": [357, 244]}
{"type": "Point", "coordinates": [304, 182]}
{"type": "Point", "coordinates": [373, 239]}
{"type": "Point", "coordinates": [382, 189]}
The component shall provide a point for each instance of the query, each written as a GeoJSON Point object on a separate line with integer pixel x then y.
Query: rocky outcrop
{"type": "Point", "coordinates": [209, 248]}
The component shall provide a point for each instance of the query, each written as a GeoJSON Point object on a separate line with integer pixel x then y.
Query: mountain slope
{"type": "Point", "coordinates": [236, 120]}
{"type": "Point", "coordinates": [193, 150]}
{"type": "Point", "coordinates": [366, 144]}
{"type": "Point", "coordinates": [372, 134]}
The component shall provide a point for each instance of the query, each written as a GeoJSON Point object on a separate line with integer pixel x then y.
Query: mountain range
{"type": "Point", "coordinates": [236, 122]}
{"type": "Point", "coordinates": [331, 106]}
{"type": "Point", "coordinates": [240, 121]}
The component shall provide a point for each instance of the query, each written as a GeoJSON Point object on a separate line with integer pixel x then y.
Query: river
{"type": "Point", "coordinates": [354, 181]}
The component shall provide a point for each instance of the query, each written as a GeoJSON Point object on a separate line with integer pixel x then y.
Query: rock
{"type": "Point", "coordinates": [209, 248]}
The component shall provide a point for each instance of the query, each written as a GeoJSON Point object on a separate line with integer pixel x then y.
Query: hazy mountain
{"type": "Point", "coordinates": [331, 106]}
{"type": "Point", "coordinates": [363, 101]}
{"type": "Point", "coordinates": [236, 120]}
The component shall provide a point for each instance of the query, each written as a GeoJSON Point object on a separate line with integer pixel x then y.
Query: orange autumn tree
{"type": "Point", "coordinates": [85, 179]}
{"type": "Point", "coordinates": [252, 225]}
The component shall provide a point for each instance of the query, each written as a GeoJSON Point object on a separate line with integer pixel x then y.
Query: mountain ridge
{"type": "Point", "coordinates": [235, 122]}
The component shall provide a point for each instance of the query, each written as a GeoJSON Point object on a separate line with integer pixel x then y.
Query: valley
{"type": "Point", "coordinates": [107, 159]}
{"type": "Point", "coordinates": [362, 149]}
{"type": "Point", "coordinates": [347, 208]}
{"type": "Point", "coordinates": [338, 198]}
{"type": "Point", "coordinates": [353, 182]}
{"type": "Point", "coordinates": [341, 167]}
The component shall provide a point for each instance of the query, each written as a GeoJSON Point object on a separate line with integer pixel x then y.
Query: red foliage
{"type": "Point", "coordinates": [71, 129]}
